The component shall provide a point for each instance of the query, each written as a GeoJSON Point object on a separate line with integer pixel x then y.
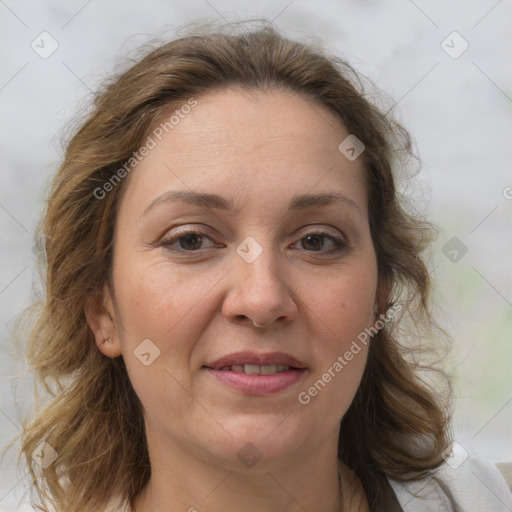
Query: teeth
{"type": "Point", "coordinates": [254, 369]}
{"type": "Point", "coordinates": [268, 369]}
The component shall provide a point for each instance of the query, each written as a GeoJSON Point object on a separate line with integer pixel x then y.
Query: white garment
{"type": "Point", "coordinates": [474, 486]}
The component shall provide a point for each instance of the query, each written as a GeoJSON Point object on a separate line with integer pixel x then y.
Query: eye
{"type": "Point", "coordinates": [315, 242]}
{"type": "Point", "coordinates": [192, 241]}
{"type": "Point", "coordinates": [188, 241]}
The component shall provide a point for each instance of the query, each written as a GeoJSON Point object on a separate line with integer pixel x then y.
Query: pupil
{"type": "Point", "coordinates": [188, 238]}
{"type": "Point", "coordinates": [314, 237]}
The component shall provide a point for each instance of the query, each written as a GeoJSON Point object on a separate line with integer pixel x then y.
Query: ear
{"type": "Point", "coordinates": [100, 315]}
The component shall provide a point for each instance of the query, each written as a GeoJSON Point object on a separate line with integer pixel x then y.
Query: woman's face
{"type": "Point", "coordinates": [266, 249]}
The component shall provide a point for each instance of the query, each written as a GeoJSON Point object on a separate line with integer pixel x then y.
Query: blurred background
{"type": "Point", "coordinates": [446, 65]}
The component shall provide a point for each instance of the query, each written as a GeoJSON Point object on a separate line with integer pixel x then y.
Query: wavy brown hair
{"type": "Point", "coordinates": [398, 423]}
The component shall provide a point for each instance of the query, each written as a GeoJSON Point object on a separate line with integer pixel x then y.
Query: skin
{"type": "Point", "coordinates": [258, 150]}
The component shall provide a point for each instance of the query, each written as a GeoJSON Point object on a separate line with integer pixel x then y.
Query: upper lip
{"type": "Point", "coordinates": [269, 358]}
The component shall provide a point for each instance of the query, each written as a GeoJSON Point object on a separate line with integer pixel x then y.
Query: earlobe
{"type": "Point", "coordinates": [100, 315]}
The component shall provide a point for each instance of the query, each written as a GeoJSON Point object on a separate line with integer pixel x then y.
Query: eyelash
{"type": "Point", "coordinates": [167, 243]}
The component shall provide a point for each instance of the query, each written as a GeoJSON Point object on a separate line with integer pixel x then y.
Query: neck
{"type": "Point", "coordinates": [317, 484]}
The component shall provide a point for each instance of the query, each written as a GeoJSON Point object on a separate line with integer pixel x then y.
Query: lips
{"type": "Point", "coordinates": [254, 369]}
{"type": "Point", "coordinates": [257, 374]}
{"type": "Point", "coordinates": [255, 359]}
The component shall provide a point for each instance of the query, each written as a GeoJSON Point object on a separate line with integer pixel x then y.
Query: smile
{"type": "Point", "coordinates": [255, 369]}
{"type": "Point", "coordinates": [253, 379]}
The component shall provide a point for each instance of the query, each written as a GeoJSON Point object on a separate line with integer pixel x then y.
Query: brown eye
{"type": "Point", "coordinates": [190, 241]}
{"type": "Point", "coordinates": [315, 242]}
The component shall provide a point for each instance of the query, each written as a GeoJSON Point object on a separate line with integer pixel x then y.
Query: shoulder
{"type": "Point", "coordinates": [475, 485]}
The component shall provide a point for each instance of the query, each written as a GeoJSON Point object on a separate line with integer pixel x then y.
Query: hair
{"type": "Point", "coordinates": [398, 423]}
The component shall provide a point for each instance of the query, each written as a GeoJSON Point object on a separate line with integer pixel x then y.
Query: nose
{"type": "Point", "coordinates": [259, 293]}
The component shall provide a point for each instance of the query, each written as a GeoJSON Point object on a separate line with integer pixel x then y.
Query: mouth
{"type": "Point", "coordinates": [255, 369]}
{"type": "Point", "coordinates": [257, 374]}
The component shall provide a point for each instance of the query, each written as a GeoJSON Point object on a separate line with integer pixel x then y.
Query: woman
{"type": "Point", "coordinates": [230, 276]}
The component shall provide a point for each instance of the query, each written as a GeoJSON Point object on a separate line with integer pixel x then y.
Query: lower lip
{"type": "Point", "coordinates": [258, 384]}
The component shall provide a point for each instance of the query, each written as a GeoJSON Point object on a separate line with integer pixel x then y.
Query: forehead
{"type": "Point", "coordinates": [236, 117]}
{"type": "Point", "coordinates": [250, 142]}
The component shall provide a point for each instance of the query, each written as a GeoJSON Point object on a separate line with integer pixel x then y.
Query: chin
{"type": "Point", "coordinates": [258, 438]}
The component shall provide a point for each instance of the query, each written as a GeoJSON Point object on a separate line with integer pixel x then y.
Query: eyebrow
{"type": "Point", "coordinates": [298, 202]}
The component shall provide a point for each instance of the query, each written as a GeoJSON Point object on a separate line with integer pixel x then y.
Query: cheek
{"type": "Point", "coordinates": [153, 299]}
{"type": "Point", "coordinates": [344, 306]}
{"type": "Point", "coordinates": [153, 306]}
{"type": "Point", "coordinates": [343, 309]}
{"type": "Point", "coordinates": [157, 303]}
